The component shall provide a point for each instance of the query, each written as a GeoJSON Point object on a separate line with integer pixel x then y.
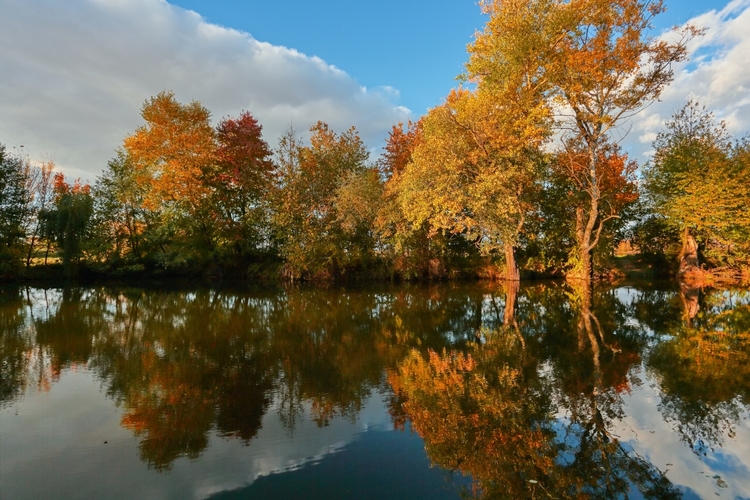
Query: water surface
{"type": "Point", "coordinates": [409, 392]}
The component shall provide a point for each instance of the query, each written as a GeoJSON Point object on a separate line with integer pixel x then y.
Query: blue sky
{"type": "Point", "coordinates": [74, 74]}
{"type": "Point", "coordinates": [416, 47]}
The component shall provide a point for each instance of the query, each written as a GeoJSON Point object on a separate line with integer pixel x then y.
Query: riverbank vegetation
{"type": "Point", "coordinates": [517, 174]}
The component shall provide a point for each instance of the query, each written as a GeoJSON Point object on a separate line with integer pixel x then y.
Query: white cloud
{"type": "Point", "coordinates": [74, 75]}
{"type": "Point", "coordinates": [717, 76]}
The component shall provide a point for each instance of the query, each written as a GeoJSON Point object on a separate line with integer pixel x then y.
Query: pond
{"type": "Point", "coordinates": [483, 390]}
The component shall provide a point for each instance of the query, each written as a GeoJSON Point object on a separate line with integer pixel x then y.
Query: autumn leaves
{"type": "Point", "coordinates": [518, 168]}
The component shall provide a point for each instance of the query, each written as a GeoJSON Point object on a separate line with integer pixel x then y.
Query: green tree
{"type": "Point", "coordinates": [122, 227]}
{"type": "Point", "coordinates": [67, 223]}
{"type": "Point", "coordinates": [699, 183]}
{"type": "Point", "coordinates": [13, 211]}
{"type": "Point", "coordinates": [324, 208]}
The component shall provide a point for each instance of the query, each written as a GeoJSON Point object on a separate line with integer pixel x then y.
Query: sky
{"type": "Point", "coordinates": [75, 73]}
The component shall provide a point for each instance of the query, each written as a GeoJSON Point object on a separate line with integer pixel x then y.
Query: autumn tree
{"type": "Point", "coordinates": [170, 155]}
{"type": "Point", "coordinates": [171, 151]}
{"type": "Point", "coordinates": [610, 69]}
{"type": "Point", "coordinates": [183, 194]}
{"type": "Point", "coordinates": [471, 175]}
{"type": "Point", "coordinates": [615, 188]}
{"type": "Point", "coordinates": [412, 246]}
{"type": "Point", "coordinates": [398, 149]}
{"type": "Point", "coordinates": [590, 60]}
{"type": "Point", "coordinates": [475, 171]}
{"type": "Point", "coordinates": [699, 182]}
{"type": "Point", "coordinates": [241, 181]}
{"type": "Point", "coordinates": [326, 203]}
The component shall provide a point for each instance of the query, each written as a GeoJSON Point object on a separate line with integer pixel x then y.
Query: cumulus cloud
{"type": "Point", "coordinates": [717, 76]}
{"type": "Point", "coordinates": [74, 75]}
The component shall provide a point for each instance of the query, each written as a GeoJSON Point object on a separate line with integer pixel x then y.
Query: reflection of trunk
{"type": "Point", "coordinates": [586, 328]}
{"type": "Point", "coordinates": [511, 293]}
{"type": "Point", "coordinates": [509, 315]}
{"type": "Point", "coordinates": [590, 328]}
{"type": "Point", "coordinates": [509, 312]}
{"type": "Point", "coordinates": [511, 267]}
{"type": "Point", "coordinates": [690, 296]}
{"type": "Point", "coordinates": [689, 253]}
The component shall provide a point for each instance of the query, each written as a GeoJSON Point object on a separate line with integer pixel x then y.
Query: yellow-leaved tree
{"type": "Point", "coordinates": [592, 63]}
{"type": "Point", "coordinates": [473, 171]}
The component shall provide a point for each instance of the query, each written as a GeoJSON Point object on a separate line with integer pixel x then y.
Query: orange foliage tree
{"type": "Point", "coordinates": [610, 69]}
{"type": "Point", "coordinates": [590, 61]}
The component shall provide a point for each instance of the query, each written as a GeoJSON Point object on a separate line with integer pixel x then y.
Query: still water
{"type": "Point", "coordinates": [444, 392]}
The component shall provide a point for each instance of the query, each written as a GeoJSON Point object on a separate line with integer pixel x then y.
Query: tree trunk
{"type": "Point", "coordinates": [587, 267]}
{"type": "Point", "coordinates": [31, 249]}
{"type": "Point", "coordinates": [511, 267]}
{"type": "Point", "coordinates": [688, 254]}
{"type": "Point", "coordinates": [584, 235]}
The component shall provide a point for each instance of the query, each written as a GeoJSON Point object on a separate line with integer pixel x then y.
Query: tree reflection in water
{"type": "Point", "coordinates": [704, 367]}
{"type": "Point", "coordinates": [520, 388]}
{"type": "Point", "coordinates": [516, 417]}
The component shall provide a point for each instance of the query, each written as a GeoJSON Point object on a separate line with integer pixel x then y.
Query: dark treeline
{"type": "Point", "coordinates": [493, 182]}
